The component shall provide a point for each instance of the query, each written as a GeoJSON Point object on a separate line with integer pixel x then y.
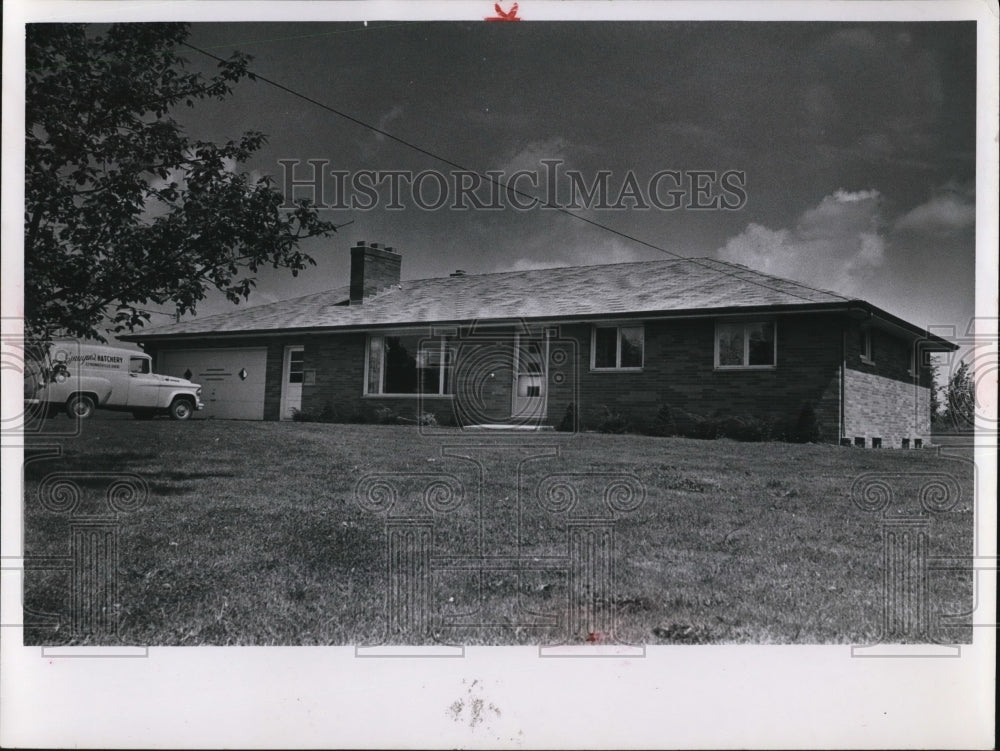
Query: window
{"type": "Point", "coordinates": [409, 365]}
{"type": "Point", "coordinates": [745, 345]}
{"type": "Point", "coordinates": [866, 345]}
{"type": "Point", "coordinates": [138, 365]}
{"type": "Point", "coordinates": [617, 347]}
{"type": "Point", "coordinates": [296, 360]}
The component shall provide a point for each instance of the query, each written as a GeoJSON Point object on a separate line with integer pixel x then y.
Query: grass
{"type": "Point", "coordinates": [252, 535]}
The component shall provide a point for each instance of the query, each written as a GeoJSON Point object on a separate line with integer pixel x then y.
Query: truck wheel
{"type": "Point", "coordinates": [143, 414]}
{"type": "Point", "coordinates": [80, 407]}
{"type": "Point", "coordinates": [181, 409]}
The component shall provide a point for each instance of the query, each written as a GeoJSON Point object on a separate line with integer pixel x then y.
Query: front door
{"type": "Point", "coordinates": [291, 381]}
{"type": "Point", "coordinates": [530, 376]}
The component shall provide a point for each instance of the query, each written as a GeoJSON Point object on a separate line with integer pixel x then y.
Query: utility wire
{"type": "Point", "coordinates": [506, 186]}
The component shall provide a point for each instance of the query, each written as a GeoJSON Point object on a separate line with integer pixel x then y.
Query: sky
{"type": "Point", "coordinates": [856, 143]}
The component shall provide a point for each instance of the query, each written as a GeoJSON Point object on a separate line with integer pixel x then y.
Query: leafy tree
{"type": "Point", "coordinates": [935, 397]}
{"type": "Point", "coordinates": [960, 399]}
{"type": "Point", "coordinates": [122, 209]}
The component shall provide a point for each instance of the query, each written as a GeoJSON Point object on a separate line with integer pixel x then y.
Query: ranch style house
{"type": "Point", "coordinates": [537, 348]}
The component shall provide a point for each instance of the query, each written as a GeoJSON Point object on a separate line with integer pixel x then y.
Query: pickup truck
{"type": "Point", "coordinates": [80, 378]}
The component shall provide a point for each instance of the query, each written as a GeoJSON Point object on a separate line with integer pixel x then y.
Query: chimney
{"type": "Point", "coordinates": [373, 268]}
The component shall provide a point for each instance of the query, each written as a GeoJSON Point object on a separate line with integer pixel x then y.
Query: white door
{"type": "Point", "coordinates": [530, 376]}
{"type": "Point", "coordinates": [232, 380]}
{"type": "Point", "coordinates": [291, 381]}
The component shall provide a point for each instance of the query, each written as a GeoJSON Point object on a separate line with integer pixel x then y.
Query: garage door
{"type": "Point", "coordinates": [232, 380]}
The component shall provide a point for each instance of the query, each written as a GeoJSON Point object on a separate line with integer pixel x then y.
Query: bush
{"type": "Point", "coordinates": [675, 421]}
{"type": "Point", "coordinates": [427, 419]}
{"type": "Point", "coordinates": [744, 428]}
{"type": "Point", "coordinates": [663, 423]}
{"type": "Point", "coordinates": [612, 422]}
{"type": "Point", "coordinates": [807, 427]}
{"type": "Point", "coordinates": [568, 422]}
{"type": "Point", "coordinates": [386, 416]}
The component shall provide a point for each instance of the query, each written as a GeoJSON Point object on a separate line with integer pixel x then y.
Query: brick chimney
{"type": "Point", "coordinates": [373, 268]}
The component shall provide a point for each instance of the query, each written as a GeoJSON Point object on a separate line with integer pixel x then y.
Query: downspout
{"type": "Point", "coordinates": [843, 375]}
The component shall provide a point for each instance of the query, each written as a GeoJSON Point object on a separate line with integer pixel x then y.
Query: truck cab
{"type": "Point", "coordinates": [80, 378]}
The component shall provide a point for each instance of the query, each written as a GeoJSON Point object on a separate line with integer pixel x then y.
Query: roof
{"type": "Point", "coordinates": [620, 289]}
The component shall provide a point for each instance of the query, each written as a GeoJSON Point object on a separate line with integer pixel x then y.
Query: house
{"type": "Point", "coordinates": [518, 348]}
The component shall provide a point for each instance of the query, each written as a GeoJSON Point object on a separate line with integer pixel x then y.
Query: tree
{"type": "Point", "coordinates": [935, 397]}
{"type": "Point", "coordinates": [960, 399]}
{"type": "Point", "coordinates": [122, 209]}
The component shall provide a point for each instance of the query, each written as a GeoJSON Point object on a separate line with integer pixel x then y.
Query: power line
{"type": "Point", "coordinates": [506, 186]}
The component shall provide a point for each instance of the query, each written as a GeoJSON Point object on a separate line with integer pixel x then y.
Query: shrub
{"type": "Point", "coordinates": [612, 422]}
{"type": "Point", "coordinates": [326, 414]}
{"type": "Point", "coordinates": [386, 416]}
{"type": "Point", "coordinates": [807, 427]}
{"type": "Point", "coordinates": [663, 423]}
{"type": "Point", "coordinates": [427, 419]}
{"type": "Point", "coordinates": [568, 422]}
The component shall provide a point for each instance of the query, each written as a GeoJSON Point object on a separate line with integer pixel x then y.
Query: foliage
{"type": "Point", "coordinates": [807, 427]}
{"type": "Point", "coordinates": [935, 397]}
{"type": "Point", "coordinates": [612, 421]}
{"type": "Point", "coordinates": [568, 422]}
{"type": "Point", "coordinates": [960, 400]}
{"type": "Point", "coordinates": [122, 208]}
{"type": "Point", "coordinates": [676, 421]}
{"type": "Point", "coordinates": [386, 416]}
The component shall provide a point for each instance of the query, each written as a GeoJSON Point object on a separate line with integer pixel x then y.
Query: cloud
{"type": "Point", "coordinates": [608, 251]}
{"type": "Point", "coordinates": [387, 119]}
{"type": "Point", "coordinates": [529, 157]}
{"type": "Point", "coordinates": [836, 244]}
{"type": "Point", "coordinates": [949, 211]}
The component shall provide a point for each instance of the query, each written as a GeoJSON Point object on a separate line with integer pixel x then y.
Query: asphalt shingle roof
{"type": "Point", "coordinates": [610, 289]}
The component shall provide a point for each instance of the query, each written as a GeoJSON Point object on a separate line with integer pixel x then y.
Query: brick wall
{"type": "Point", "coordinates": [883, 399]}
{"type": "Point", "coordinates": [339, 362]}
{"type": "Point", "coordinates": [372, 270]}
{"type": "Point", "coordinates": [679, 371]}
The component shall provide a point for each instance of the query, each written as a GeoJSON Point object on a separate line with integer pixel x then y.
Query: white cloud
{"type": "Point", "coordinates": [836, 244]}
{"type": "Point", "coordinates": [944, 213]}
{"type": "Point", "coordinates": [387, 119]}
{"type": "Point", "coordinates": [576, 254]}
{"type": "Point", "coordinates": [529, 157]}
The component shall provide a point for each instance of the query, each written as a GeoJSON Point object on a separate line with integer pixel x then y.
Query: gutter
{"type": "Point", "coordinates": [735, 311]}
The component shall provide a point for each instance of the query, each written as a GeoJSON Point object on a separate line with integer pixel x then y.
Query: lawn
{"type": "Point", "coordinates": [255, 534]}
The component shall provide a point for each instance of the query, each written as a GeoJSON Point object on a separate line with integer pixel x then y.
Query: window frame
{"type": "Point", "coordinates": [443, 352]}
{"type": "Point", "coordinates": [866, 346]}
{"type": "Point", "coordinates": [147, 363]}
{"type": "Point", "coordinates": [746, 323]}
{"type": "Point", "coordinates": [617, 367]}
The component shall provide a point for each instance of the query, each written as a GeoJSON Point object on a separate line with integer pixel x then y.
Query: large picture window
{"type": "Point", "coordinates": [617, 348]}
{"type": "Point", "coordinates": [745, 345]}
{"type": "Point", "coordinates": [409, 365]}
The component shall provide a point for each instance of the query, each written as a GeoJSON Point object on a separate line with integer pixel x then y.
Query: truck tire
{"type": "Point", "coordinates": [80, 407]}
{"type": "Point", "coordinates": [181, 409]}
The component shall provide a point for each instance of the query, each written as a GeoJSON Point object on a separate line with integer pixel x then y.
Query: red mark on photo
{"type": "Point", "coordinates": [510, 15]}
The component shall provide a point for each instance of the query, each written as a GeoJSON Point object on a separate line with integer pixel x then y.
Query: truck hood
{"type": "Point", "coordinates": [171, 380]}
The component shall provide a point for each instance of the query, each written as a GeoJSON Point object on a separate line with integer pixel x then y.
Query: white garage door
{"type": "Point", "coordinates": [232, 380]}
